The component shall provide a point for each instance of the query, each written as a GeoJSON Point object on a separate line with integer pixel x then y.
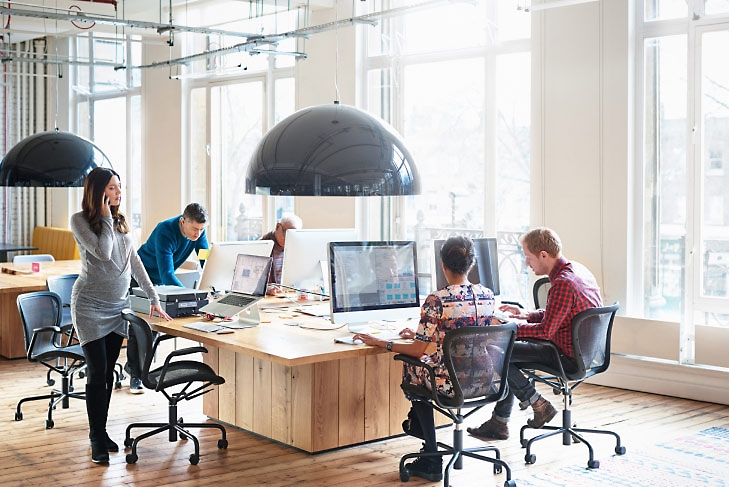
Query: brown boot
{"type": "Point", "coordinates": [543, 413]}
{"type": "Point", "coordinates": [493, 429]}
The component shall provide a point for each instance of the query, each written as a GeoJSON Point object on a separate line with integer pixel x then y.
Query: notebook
{"type": "Point", "coordinates": [250, 277]}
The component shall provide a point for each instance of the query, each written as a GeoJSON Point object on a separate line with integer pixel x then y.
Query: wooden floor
{"type": "Point", "coordinates": [32, 455]}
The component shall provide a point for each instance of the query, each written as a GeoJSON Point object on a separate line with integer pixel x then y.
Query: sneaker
{"type": "Point", "coordinates": [426, 468]}
{"type": "Point", "coordinates": [135, 385]}
{"type": "Point", "coordinates": [493, 429]}
{"type": "Point", "coordinates": [544, 412]}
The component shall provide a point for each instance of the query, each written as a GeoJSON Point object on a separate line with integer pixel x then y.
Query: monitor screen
{"type": "Point", "coordinates": [217, 273]}
{"type": "Point", "coordinates": [373, 281]}
{"type": "Point", "coordinates": [305, 264]}
{"type": "Point", "coordinates": [485, 270]}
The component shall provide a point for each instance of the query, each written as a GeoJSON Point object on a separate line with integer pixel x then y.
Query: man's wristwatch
{"type": "Point", "coordinates": [389, 346]}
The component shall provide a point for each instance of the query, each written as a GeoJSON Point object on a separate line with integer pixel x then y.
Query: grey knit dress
{"type": "Point", "coordinates": [101, 291]}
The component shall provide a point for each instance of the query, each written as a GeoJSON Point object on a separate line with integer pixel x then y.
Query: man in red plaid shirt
{"type": "Point", "coordinates": [569, 294]}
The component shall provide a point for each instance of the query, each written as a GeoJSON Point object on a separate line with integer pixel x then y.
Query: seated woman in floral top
{"type": "Point", "coordinates": [457, 305]}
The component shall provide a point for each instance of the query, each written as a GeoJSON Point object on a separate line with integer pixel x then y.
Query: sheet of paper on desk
{"type": "Point", "coordinates": [349, 340]}
{"type": "Point", "coordinates": [202, 326]}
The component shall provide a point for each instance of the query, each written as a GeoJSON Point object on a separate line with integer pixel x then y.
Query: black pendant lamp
{"type": "Point", "coordinates": [51, 159]}
{"type": "Point", "coordinates": [332, 150]}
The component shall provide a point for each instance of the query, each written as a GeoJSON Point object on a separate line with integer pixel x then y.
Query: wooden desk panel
{"type": "Point", "coordinates": [298, 387]}
{"type": "Point", "coordinates": [12, 343]}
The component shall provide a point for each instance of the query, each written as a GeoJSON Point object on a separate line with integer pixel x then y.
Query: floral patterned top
{"type": "Point", "coordinates": [446, 309]}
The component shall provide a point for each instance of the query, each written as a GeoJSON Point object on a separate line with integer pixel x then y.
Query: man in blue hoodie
{"type": "Point", "coordinates": [170, 244]}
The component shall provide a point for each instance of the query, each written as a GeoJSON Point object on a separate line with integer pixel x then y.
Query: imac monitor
{"type": "Point", "coordinates": [305, 263]}
{"type": "Point", "coordinates": [217, 273]}
{"type": "Point", "coordinates": [485, 270]}
{"type": "Point", "coordinates": [373, 281]}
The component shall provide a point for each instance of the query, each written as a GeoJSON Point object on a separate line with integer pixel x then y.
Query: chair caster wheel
{"type": "Point", "coordinates": [128, 442]}
{"type": "Point", "coordinates": [132, 458]}
{"type": "Point", "coordinates": [82, 375]}
{"type": "Point", "coordinates": [497, 469]}
{"type": "Point", "coordinates": [222, 444]}
{"type": "Point", "coordinates": [524, 443]}
{"type": "Point", "coordinates": [593, 464]}
{"type": "Point", "coordinates": [49, 424]}
{"type": "Point", "coordinates": [194, 459]}
{"type": "Point", "coordinates": [404, 475]}
{"type": "Point", "coordinates": [117, 385]}
{"type": "Point", "coordinates": [620, 450]}
{"type": "Point", "coordinates": [510, 483]}
{"type": "Point", "coordinates": [18, 416]}
{"type": "Point", "coordinates": [184, 437]}
{"type": "Point", "coordinates": [50, 382]}
{"type": "Point", "coordinates": [530, 459]}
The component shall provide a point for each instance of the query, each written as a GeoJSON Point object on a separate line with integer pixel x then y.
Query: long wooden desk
{"type": "Point", "coordinates": [296, 386]}
{"type": "Point", "coordinates": [12, 343]}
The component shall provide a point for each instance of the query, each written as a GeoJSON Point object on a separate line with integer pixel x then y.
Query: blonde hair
{"type": "Point", "coordinates": [542, 239]}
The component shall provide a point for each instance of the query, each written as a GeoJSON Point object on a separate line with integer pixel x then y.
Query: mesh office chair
{"type": "Point", "coordinates": [25, 259]}
{"type": "Point", "coordinates": [183, 373]}
{"type": "Point", "coordinates": [539, 292]}
{"type": "Point", "coordinates": [40, 313]}
{"type": "Point", "coordinates": [477, 360]}
{"type": "Point", "coordinates": [591, 331]}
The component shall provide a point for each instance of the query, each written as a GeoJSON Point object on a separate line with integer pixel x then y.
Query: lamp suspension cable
{"type": "Point", "coordinates": [336, 52]}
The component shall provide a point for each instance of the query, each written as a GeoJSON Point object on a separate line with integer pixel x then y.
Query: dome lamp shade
{"type": "Point", "coordinates": [51, 159]}
{"type": "Point", "coordinates": [332, 150]}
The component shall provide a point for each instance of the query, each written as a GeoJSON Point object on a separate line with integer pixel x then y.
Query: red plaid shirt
{"type": "Point", "coordinates": [568, 295]}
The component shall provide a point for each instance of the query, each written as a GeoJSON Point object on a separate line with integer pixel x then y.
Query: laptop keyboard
{"type": "Point", "coordinates": [236, 300]}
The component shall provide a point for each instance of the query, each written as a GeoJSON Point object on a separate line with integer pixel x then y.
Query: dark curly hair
{"type": "Point", "coordinates": [457, 254]}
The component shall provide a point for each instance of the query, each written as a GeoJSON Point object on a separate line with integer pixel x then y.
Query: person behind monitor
{"type": "Point", "coordinates": [457, 305]}
{"type": "Point", "coordinates": [170, 244]}
{"type": "Point", "coordinates": [569, 294]}
{"type": "Point", "coordinates": [101, 292]}
{"type": "Point", "coordinates": [278, 235]}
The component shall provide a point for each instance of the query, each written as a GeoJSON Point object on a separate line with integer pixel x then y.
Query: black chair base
{"type": "Point", "coordinates": [175, 427]}
{"type": "Point", "coordinates": [457, 452]}
{"type": "Point", "coordinates": [569, 434]}
{"type": "Point", "coordinates": [55, 398]}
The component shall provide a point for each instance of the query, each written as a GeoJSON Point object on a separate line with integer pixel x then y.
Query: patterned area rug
{"type": "Point", "coordinates": [701, 459]}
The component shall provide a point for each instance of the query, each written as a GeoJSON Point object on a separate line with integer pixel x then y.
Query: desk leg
{"type": "Point", "coordinates": [3, 255]}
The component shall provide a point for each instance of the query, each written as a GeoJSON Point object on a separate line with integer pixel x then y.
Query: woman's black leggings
{"type": "Point", "coordinates": [101, 356]}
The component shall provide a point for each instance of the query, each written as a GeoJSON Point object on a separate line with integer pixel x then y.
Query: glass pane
{"type": "Point", "coordinates": [664, 155]}
{"type": "Point", "coordinates": [82, 72]}
{"type": "Point", "coordinates": [237, 126]}
{"type": "Point", "coordinates": [445, 133]}
{"type": "Point", "coordinates": [715, 164]}
{"type": "Point", "coordinates": [285, 102]}
{"type": "Point", "coordinates": [512, 22]}
{"type": "Point", "coordinates": [665, 9]}
{"type": "Point", "coordinates": [716, 7]}
{"type": "Point", "coordinates": [105, 77]}
{"type": "Point", "coordinates": [512, 157]}
{"type": "Point", "coordinates": [135, 59]}
{"type": "Point", "coordinates": [459, 25]}
{"type": "Point", "coordinates": [199, 150]}
{"type": "Point", "coordinates": [134, 185]}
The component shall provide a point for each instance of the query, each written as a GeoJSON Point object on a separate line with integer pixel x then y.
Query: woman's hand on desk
{"type": "Point", "coordinates": [407, 333]}
{"type": "Point", "coordinates": [156, 308]}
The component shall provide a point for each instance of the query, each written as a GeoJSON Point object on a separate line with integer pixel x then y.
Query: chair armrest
{"type": "Point", "coordinates": [514, 303]}
{"type": "Point", "coordinates": [550, 346]}
{"type": "Point", "coordinates": [160, 338]}
{"type": "Point", "coordinates": [42, 329]}
{"type": "Point", "coordinates": [178, 353]}
{"type": "Point", "coordinates": [419, 363]}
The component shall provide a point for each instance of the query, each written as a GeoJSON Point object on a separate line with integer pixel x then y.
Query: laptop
{"type": "Point", "coordinates": [250, 278]}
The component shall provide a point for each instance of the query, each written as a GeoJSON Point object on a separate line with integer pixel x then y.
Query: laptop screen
{"type": "Point", "coordinates": [251, 274]}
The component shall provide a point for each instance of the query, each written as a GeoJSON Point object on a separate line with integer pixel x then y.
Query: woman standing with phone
{"type": "Point", "coordinates": [108, 260]}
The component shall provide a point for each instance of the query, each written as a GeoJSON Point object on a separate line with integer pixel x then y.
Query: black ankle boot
{"type": "Point", "coordinates": [429, 468]}
{"type": "Point", "coordinates": [97, 408]}
{"type": "Point", "coordinates": [99, 452]}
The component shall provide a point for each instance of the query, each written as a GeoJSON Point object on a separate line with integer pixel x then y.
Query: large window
{"type": "Point", "coordinates": [108, 107]}
{"type": "Point", "coordinates": [685, 153]}
{"type": "Point", "coordinates": [455, 82]}
{"type": "Point", "coordinates": [232, 101]}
